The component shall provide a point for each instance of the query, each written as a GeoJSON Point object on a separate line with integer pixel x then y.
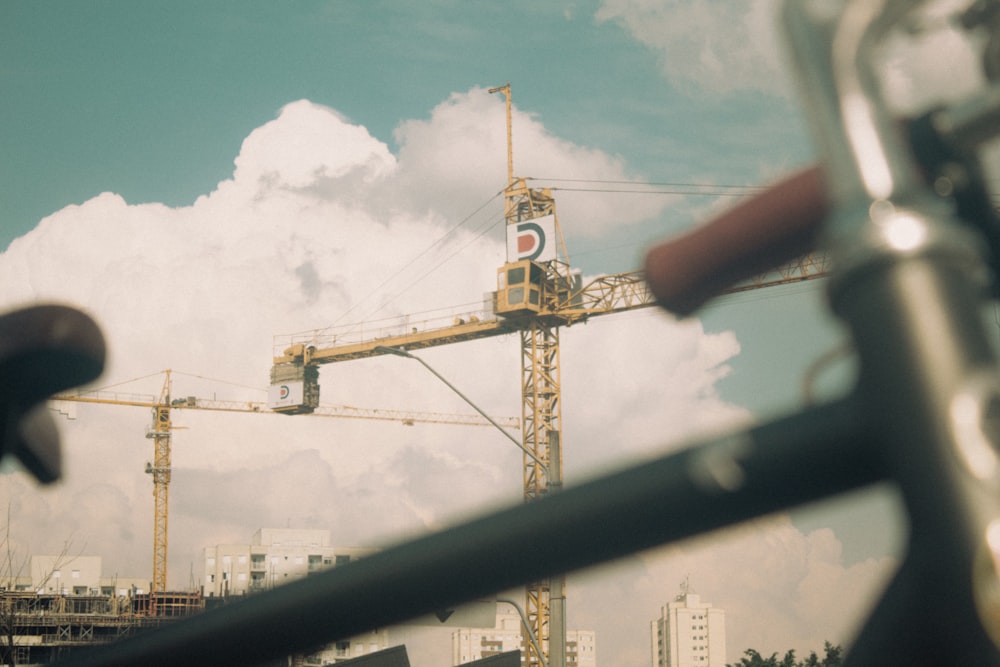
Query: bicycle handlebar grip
{"type": "Point", "coordinates": [761, 233]}
{"type": "Point", "coordinates": [43, 350]}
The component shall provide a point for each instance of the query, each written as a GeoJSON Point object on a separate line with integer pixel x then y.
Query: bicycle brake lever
{"type": "Point", "coordinates": [43, 350]}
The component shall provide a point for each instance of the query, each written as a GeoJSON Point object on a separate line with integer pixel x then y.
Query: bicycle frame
{"type": "Point", "coordinates": [908, 281]}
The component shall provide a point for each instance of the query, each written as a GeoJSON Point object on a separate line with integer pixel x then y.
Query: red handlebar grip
{"type": "Point", "coordinates": [763, 232]}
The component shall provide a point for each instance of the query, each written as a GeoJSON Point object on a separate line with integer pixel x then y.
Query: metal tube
{"type": "Point", "coordinates": [527, 629]}
{"type": "Point", "coordinates": [557, 583]}
{"type": "Point", "coordinates": [863, 148]}
{"type": "Point", "coordinates": [931, 382]}
{"type": "Point", "coordinates": [400, 352]}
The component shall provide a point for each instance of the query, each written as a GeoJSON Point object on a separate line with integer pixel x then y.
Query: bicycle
{"type": "Point", "coordinates": [912, 269]}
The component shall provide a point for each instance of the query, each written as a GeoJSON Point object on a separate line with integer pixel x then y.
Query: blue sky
{"type": "Point", "coordinates": [203, 175]}
{"type": "Point", "coordinates": [153, 101]}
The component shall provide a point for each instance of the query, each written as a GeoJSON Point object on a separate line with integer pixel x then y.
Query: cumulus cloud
{"type": "Point", "coordinates": [781, 589]}
{"type": "Point", "coordinates": [707, 46]}
{"type": "Point", "coordinates": [309, 146]}
{"type": "Point", "coordinates": [472, 125]}
{"type": "Point", "coordinates": [322, 222]}
{"type": "Point", "coordinates": [724, 47]}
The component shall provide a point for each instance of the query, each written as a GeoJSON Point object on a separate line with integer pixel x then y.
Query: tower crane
{"type": "Point", "coordinates": [160, 467]}
{"type": "Point", "coordinates": [537, 293]}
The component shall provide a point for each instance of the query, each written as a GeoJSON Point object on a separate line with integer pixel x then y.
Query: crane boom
{"type": "Point", "coordinates": [160, 467]}
{"type": "Point", "coordinates": [604, 295]}
{"type": "Point", "coordinates": [407, 417]}
{"type": "Point", "coordinates": [537, 293]}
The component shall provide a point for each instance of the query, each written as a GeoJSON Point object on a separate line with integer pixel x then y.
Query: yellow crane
{"type": "Point", "coordinates": [160, 467]}
{"type": "Point", "coordinates": [537, 293]}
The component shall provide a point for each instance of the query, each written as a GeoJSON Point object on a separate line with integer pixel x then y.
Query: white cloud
{"type": "Point", "coordinates": [707, 45]}
{"type": "Point", "coordinates": [724, 47]}
{"type": "Point", "coordinates": [320, 219]}
{"type": "Point", "coordinates": [307, 146]}
{"type": "Point", "coordinates": [781, 589]}
{"type": "Point", "coordinates": [471, 126]}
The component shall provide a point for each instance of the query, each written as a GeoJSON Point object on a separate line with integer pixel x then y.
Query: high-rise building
{"type": "Point", "coordinates": [689, 633]}
{"type": "Point", "coordinates": [470, 644]}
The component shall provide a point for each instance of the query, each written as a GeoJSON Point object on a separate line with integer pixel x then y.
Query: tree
{"type": "Point", "coordinates": [752, 658]}
{"type": "Point", "coordinates": [12, 568]}
{"type": "Point", "coordinates": [833, 657]}
{"type": "Point", "coordinates": [812, 660]}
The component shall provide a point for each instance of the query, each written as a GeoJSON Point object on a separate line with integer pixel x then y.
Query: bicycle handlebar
{"type": "Point", "coordinates": [765, 231]}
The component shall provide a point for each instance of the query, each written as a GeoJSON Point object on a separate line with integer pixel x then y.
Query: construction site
{"type": "Point", "coordinates": [537, 292]}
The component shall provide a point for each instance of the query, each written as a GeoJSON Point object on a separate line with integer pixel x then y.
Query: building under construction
{"type": "Point", "coordinates": [38, 628]}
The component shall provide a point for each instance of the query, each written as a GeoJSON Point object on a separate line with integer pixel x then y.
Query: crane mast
{"type": "Point", "coordinates": [160, 470]}
{"type": "Point", "coordinates": [541, 389]}
{"type": "Point", "coordinates": [537, 293]}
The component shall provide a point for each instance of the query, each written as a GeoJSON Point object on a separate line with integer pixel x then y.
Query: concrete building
{"type": "Point", "coordinates": [689, 633]}
{"type": "Point", "coordinates": [274, 556]}
{"type": "Point", "coordinates": [55, 605]}
{"type": "Point", "coordinates": [278, 556]}
{"type": "Point", "coordinates": [70, 575]}
{"type": "Point", "coordinates": [471, 644]}
{"type": "Point", "coordinates": [349, 649]}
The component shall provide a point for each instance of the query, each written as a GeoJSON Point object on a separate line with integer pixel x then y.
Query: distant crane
{"type": "Point", "coordinates": [536, 293]}
{"type": "Point", "coordinates": [160, 467]}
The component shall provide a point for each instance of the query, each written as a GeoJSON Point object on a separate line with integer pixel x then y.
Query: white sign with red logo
{"type": "Point", "coordinates": [532, 239]}
{"type": "Point", "coordinates": [284, 395]}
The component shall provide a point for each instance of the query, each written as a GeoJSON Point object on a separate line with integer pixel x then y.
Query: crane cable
{"type": "Point", "coordinates": [673, 188]}
{"type": "Point", "coordinates": [413, 260]}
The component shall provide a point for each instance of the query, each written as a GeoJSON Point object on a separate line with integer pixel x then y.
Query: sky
{"type": "Point", "coordinates": [201, 177]}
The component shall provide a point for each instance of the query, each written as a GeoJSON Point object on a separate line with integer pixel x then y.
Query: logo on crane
{"type": "Point", "coordinates": [285, 395]}
{"type": "Point", "coordinates": [532, 239]}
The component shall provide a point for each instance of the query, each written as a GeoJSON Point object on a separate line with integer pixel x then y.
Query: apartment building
{"type": "Point", "coordinates": [273, 557]}
{"type": "Point", "coordinates": [471, 644]}
{"type": "Point", "coordinates": [689, 633]}
{"type": "Point", "coordinates": [69, 575]}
